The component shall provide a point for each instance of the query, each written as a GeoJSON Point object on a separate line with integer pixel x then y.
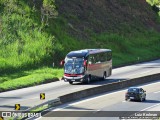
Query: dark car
{"type": "Point", "coordinates": [135, 93]}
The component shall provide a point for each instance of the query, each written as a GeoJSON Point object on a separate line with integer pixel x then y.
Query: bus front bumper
{"type": "Point", "coordinates": [74, 79]}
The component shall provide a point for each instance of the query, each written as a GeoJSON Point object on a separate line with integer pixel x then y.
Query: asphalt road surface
{"type": "Point", "coordinates": [112, 101]}
{"type": "Point", "coordinates": [29, 97]}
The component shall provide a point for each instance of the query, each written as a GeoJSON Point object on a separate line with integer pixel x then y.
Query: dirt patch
{"type": "Point", "coordinates": [100, 16]}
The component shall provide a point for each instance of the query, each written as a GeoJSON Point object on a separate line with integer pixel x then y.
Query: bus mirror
{"type": "Point", "coordinates": [85, 63]}
{"type": "Point", "coordinates": [62, 62]}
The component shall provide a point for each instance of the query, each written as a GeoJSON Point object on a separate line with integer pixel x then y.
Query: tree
{"type": "Point", "coordinates": [154, 2]}
{"type": "Point", "coordinates": [155, 5]}
{"type": "Point", "coordinates": [48, 11]}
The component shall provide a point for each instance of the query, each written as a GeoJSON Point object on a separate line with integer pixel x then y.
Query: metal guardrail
{"type": "Point", "coordinates": [50, 103]}
{"type": "Point", "coordinates": [97, 90]}
{"type": "Point", "coordinates": [109, 87]}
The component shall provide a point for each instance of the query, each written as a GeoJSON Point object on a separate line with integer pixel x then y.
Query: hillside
{"type": "Point", "coordinates": [130, 28]}
{"type": "Point", "coordinates": [120, 16]}
{"type": "Point", "coordinates": [36, 33]}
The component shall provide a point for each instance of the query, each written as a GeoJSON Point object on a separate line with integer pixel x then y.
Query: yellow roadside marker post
{"type": "Point", "coordinates": [17, 106]}
{"type": "Point", "coordinates": [42, 96]}
{"type": "Point", "coordinates": [1, 118]}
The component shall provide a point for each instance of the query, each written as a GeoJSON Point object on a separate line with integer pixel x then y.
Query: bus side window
{"type": "Point", "coordinates": [97, 58]}
{"type": "Point", "coordinates": [91, 60]}
{"type": "Point", "coordinates": [109, 56]}
{"type": "Point", "coordinates": [103, 57]}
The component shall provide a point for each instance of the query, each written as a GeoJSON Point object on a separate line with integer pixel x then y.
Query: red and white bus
{"type": "Point", "coordinates": [86, 65]}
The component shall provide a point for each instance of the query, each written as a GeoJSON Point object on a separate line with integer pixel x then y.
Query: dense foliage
{"type": "Point", "coordinates": [23, 40]}
{"type": "Point", "coordinates": [36, 33]}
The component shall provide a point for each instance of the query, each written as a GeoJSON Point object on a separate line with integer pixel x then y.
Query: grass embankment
{"type": "Point", "coordinates": [28, 48]}
{"type": "Point", "coordinates": [144, 46]}
{"type": "Point", "coordinates": [29, 78]}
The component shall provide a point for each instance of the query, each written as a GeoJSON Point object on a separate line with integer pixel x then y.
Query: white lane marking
{"type": "Point", "coordinates": [139, 73]}
{"type": "Point", "coordinates": [97, 111]}
{"type": "Point", "coordinates": [157, 92]}
{"type": "Point", "coordinates": [89, 98]}
{"type": "Point", "coordinates": [151, 107]}
{"type": "Point", "coordinates": [124, 101]}
{"type": "Point", "coordinates": [57, 109]}
{"type": "Point", "coordinates": [97, 97]}
{"type": "Point", "coordinates": [145, 72]}
{"type": "Point", "coordinates": [109, 94]}
{"type": "Point", "coordinates": [38, 118]}
{"type": "Point", "coordinates": [86, 99]}
{"type": "Point", "coordinates": [75, 103]}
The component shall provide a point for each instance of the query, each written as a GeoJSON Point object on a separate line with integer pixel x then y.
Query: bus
{"type": "Point", "coordinates": [87, 65]}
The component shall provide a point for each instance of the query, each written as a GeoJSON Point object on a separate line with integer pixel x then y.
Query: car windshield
{"type": "Point", "coordinates": [74, 65]}
{"type": "Point", "coordinates": [136, 90]}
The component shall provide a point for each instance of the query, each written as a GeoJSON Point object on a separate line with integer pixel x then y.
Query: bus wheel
{"type": "Point", "coordinates": [104, 76]}
{"type": "Point", "coordinates": [70, 82]}
{"type": "Point", "coordinates": [88, 79]}
{"type": "Point", "coordinates": [110, 71]}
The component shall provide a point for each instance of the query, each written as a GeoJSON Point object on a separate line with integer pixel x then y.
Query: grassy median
{"type": "Point", "coordinates": [29, 78]}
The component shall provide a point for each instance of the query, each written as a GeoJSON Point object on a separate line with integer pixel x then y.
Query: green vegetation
{"type": "Point", "coordinates": [33, 35]}
{"type": "Point", "coordinates": [29, 78]}
{"type": "Point", "coordinates": [22, 40]}
{"type": "Point", "coordinates": [25, 47]}
{"type": "Point", "coordinates": [153, 2]}
{"type": "Point", "coordinates": [125, 51]}
{"type": "Point", "coordinates": [40, 109]}
{"type": "Point", "coordinates": [155, 5]}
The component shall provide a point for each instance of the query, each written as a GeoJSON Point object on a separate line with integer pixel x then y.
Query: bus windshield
{"type": "Point", "coordinates": [74, 66]}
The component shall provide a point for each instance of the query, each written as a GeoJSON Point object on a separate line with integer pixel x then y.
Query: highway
{"type": "Point", "coordinates": [112, 101]}
{"type": "Point", "coordinates": [29, 97]}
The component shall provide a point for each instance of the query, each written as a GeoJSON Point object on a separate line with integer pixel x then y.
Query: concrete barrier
{"type": "Point", "coordinates": [96, 90]}
{"type": "Point", "coordinates": [108, 87]}
{"type": "Point", "coordinates": [48, 104]}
